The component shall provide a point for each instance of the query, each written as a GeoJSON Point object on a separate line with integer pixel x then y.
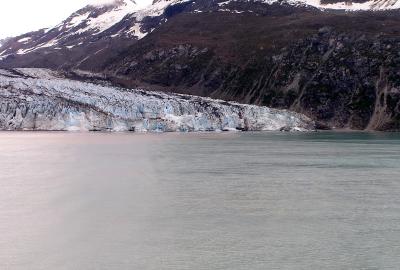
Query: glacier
{"type": "Point", "coordinates": [44, 100]}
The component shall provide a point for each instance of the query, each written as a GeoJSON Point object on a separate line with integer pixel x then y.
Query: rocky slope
{"type": "Point", "coordinates": [341, 76]}
{"type": "Point", "coordinates": [38, 99]}
{"type": "Point", "coordinates": [334, 61]}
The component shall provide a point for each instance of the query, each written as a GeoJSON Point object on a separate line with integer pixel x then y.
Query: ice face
{"type": "Point", "coordinates": [38, 99]}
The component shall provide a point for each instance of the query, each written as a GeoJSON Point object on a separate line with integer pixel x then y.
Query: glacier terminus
{"type": "Point", "coordinates": [40, 99]}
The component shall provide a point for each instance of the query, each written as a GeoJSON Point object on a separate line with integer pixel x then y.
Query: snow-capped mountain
{"type": "Point", "coordinates": [85, 26]}
{"type": "Point", "coordinates": [95, 28]}
{"type": "Point", "coordinates": [122, 18]}
{"type": "Point", "coordinates": [86, 34]}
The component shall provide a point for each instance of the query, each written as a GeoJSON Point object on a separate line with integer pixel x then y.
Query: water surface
{"type": "Point", "coordinates": [199, 201]}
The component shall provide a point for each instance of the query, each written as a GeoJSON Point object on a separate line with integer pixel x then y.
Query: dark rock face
{"type": "Point", "coordinates": [340, 80]}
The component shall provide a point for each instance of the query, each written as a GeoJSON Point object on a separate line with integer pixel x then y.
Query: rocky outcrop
{"type": "Point", "coordinates": [37, 99]}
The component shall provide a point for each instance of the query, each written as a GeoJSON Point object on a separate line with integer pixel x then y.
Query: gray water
{"type": "Point", "coordinates": [199, 201]}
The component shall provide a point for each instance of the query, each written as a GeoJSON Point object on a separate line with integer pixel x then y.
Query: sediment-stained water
{"type": "Point", "coordinates": [199, 201]}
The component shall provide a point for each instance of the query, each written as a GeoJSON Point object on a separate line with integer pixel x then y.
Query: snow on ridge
{"type": "Point", "coordinates": [349, 6]}
{"type": "Point", "coordinates": [96, 25]}
{"type": "Point", "coordinates": [345, 5]}
{"type": "Point", "coordinates": [42, 100]}
{"type": "Point", "coordinates": [156, 9]}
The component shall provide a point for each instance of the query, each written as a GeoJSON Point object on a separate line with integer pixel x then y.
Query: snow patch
{"type": "Point", "coordinates": [51, 43]}
{"type": "Point", "coordinates": [106, 20]}
{"type": "Point", "coordinates": [23, 40]}
{"type": "Point", "coordinates": [75, 21]}
{"type": "Point", "coordinates": [135, 31]}
{"type": "Point", "coordinates": [224, 3]}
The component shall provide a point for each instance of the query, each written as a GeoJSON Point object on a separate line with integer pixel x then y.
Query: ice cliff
{"type": "Point", "coordinates": [39, 99]}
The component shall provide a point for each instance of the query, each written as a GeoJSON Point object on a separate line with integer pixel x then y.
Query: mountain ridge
{"type": "Point", "coordinates": [123, 19]}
